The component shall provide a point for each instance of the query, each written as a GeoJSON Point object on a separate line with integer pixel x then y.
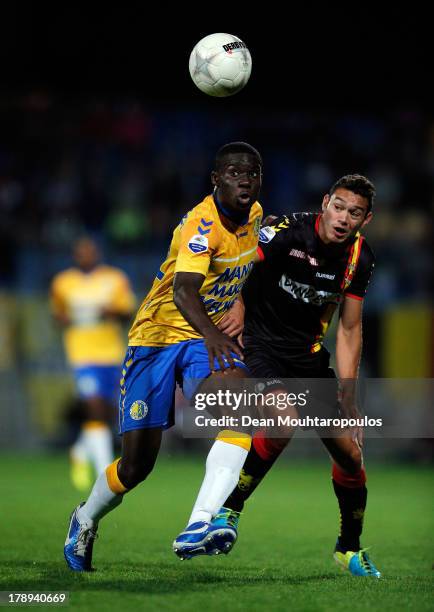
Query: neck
{"type": "Point", "coordinates": [238, 217]}
{"type": "Point", "coordinates": [87, 269]}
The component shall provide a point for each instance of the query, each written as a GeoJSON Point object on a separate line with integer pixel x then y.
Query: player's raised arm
{"type": "Point", "coordinates": [186, 296]}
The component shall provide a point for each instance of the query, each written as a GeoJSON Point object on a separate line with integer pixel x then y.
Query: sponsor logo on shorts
{"type": "Point", "coordinates": [262, 386]}
{"type": "Point", "coordinates": [88, 385]}
{"type": "Point", "coordinates": [138, 410]}
{"type": "Point", "coordinates": [198, 244]}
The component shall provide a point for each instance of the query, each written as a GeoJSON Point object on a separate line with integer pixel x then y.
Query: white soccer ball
{"type": "Point", "coordinates": [220, 65]}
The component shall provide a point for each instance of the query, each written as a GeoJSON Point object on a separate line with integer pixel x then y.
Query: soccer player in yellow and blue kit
{"type": "Point", "coordinates": [90, 300]}
{"type": "Point", "coordinates": [175, 337]}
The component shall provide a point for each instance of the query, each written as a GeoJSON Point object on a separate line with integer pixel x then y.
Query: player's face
{"type": "Point", "coordinates": [238, 181]}
{"type": "Point", "coordinates": [86, 254]}
{"type": "Point", "coordinates": [344, 213]}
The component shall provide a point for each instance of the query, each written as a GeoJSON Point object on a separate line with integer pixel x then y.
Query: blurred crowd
{"type": "Point", "coordinates": [126, 173]}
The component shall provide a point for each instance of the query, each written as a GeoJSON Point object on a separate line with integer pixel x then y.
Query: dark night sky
{"type": "Point", "coordinates": [309, 59]}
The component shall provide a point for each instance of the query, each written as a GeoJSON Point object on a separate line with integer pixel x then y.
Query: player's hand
{"type": "Point", "coordinates": [220, 346]}
{"type": "Point", "coordinates": [233, 321]}
{"type": "Point", "coordinates": [268, 220]}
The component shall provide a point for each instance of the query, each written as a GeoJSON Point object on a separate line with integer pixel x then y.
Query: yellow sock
{"type": "Point", "coordinates": [235, 437]}
{"type": "Point", "coordinates": [113, 479]}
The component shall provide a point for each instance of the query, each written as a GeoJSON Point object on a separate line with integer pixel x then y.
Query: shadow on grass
{"type": "Point", "coordinates": [157, 577]}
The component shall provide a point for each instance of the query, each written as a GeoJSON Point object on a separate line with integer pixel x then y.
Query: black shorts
{"type": "Point", "coordinates": [296, 374]}
{"type": "Point", "coordinates": [263, 362]}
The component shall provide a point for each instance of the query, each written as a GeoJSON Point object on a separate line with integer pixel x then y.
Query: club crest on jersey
{"type": "Point", "coordinates": [198, 244]}
{"type": "Point", "coordinates": [257, 226]}
{"type": "Point", "coordinates": [266, 234]}
{"type": "Point", "coordinates": [138, 410]}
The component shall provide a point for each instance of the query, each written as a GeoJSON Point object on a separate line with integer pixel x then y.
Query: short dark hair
{"type": "Point", "coordinates": [236, 147]}
{"type": "Point", "coordinates": [357, 183]}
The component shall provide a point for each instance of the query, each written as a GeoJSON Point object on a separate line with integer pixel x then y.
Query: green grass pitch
{"type": "Point", "coordinates": [282, 561]}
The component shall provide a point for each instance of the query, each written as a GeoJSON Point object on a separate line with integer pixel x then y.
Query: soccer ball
{"type": "Point", "coordinates": [220, 65]}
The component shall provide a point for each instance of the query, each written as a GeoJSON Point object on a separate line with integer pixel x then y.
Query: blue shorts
{"type": "Point", "coordinates": [149, 377]}
{"type": "Point", "coordinates": [97, 381]}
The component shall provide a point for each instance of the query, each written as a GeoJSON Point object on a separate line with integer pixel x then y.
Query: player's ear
{"type": "Point", "coordinates": [367, 219]}
{"type": "Point", "coordinates": [325, 201]}
{"type": "Point", "coordinates": [214, 178]}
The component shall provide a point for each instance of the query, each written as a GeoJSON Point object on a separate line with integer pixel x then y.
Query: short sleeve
{"type": "Point", "coordinates": [362, 276]}
{"type": "Point", "coordinates": [199, 240]}
{"type": "Point", "coordinates": [274, 239]}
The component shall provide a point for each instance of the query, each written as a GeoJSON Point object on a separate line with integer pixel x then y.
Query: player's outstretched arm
{"type": "Point", "coordinates": [186, 296]}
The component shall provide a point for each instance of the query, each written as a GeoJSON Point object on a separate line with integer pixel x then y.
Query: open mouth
{"type": "Point", "coordinates": [244, 197]}
{"type": "Point", "coordinates": [340, 232]}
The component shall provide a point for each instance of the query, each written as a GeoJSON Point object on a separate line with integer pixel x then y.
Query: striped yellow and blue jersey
{"type": "Point", "coordinates": [200, 244]}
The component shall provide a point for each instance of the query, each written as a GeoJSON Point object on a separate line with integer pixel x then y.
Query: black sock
{"type": "Point", "coordinates": [253, 471]}
{"type": "Point", "coordinates": [352, 504]}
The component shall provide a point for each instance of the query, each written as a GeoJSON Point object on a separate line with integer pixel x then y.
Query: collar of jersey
{"type": "Point", "coordinates": [239, 219]}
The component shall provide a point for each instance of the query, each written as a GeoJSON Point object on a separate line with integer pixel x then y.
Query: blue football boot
{"type": "Point", "coordinates": [193, 541]}
{"type": "Point", "coordinates": [204, 538]}
{"type": "Point", "coordinates": [224, 529]}
{"type": "Point", "coordinates": [79, 544]}
{"type": "Point", "coordinates": [357, 563]}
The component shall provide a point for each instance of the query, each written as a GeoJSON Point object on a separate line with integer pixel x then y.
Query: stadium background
{"type": "Point", "coordinates": [102, 132]}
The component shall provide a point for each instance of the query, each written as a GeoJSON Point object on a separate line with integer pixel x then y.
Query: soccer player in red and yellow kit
{"type": "Point", "coordinates": [312, 265]}
{"type": "Point", "coordinates": [175, 336]}
{"type": "Point", "coordinates": [90, 300]}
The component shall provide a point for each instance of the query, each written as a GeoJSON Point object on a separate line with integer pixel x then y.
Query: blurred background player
{"type": "Point", "coordinates": [175, 338]}
{"type": "Point", "coordinates": [90, 301]}
{"type": "Point", "coordinates": [312, 264]}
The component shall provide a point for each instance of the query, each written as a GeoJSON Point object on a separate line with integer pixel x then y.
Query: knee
{"type": "Point", "coordinates": [132, 474]}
